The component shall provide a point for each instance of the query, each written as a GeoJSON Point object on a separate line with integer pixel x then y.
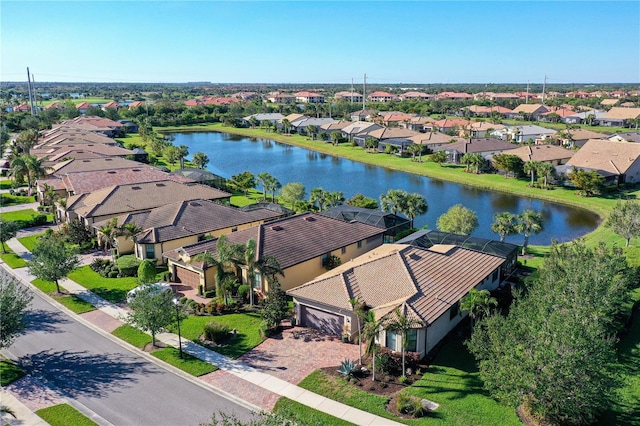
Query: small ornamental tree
{"type": "Point", "coordinates": [458, 220]}
{"type": "Point", "coordinates": [147, 271]}
{"type": "Point", "coordinates": [14, 300]}
{"type": "Point", "coordinates": [624, 220]}
{"type": "Point", "coordinates": [8, 230]}
{"type": "Point", "coordinates": [275, 307]}
{"type": "Point", "coordinates": [152, 311]}
{"type": "Point", "coordinates": [52, 260]}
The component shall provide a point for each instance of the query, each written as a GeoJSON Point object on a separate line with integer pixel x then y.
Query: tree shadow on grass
{"type": "Point", "coordinates": [75, 374]}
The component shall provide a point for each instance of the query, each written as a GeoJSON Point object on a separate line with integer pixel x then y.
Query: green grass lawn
{"type": "Point", "coordinates": [189, 364]}
{"type": "Point", "coordinates": [71, 301]}
{"type": "Point", "coordinates": [302, 415]}
{"type": "Point", "coordinates": [6, 184]}
{"type": "Point", "coordinates": [12, 260]}
{"type": "Point", "coordinates": [9, 372]}
{"type": "Point", "coordinates": [26, 214]}
{"type": "Point", "coordinates": [132, 335]}
{"type": "Point", "coordinates": [64, 415]}
{"type": "Point", "coordinates": [30, 241]}
{"type": "Point", "coordinates": [12, 200]}
{"type": "Point", "coordinates": [246, 339]}
{"type": "Point", "coordinates": [112, 289]}
{"type": "Point", "coordinates": [91, 100]}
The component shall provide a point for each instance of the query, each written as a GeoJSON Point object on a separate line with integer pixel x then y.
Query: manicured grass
{"type": "Point", "coordinates": [132, 335]}
{"type": "Point", "coordinates": [30, 241]}
{"type": "Point", "coordinates": [246, 339]}
{"type": "Point", "coordinates": [188, 363]}
{"type": "Point", "coordinates": [302, 415]}
{"type": "Point", "coordinates": [26, 214]}
{"type": "Point", "coordinates": [130, 140]}
{"type": "Point", "coordinates": [9, 372]}
{"type": "Point", "coordinates": [64, 415]}
{"type": "Point", "coordinates": [11, 259]}
{"type": "Point", "coordinates": [91, 100]}
{"type": "Point", "coordinates": [6, 184]}
{"type": "Point", "coordinates": [12, 200]}
{"type": "Point", "coordinates": [112, 289]}
{"type": "Point", "coordinates": [70, 301]}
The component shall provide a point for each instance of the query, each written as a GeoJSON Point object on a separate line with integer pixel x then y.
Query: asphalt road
{"type": "Point", "coordinates": [115, 383]}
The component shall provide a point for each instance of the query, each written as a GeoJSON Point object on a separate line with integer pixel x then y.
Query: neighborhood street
{"type": "Point", "coordinates": [80, 364]}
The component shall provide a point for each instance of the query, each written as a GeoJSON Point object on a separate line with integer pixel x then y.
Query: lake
{"type": "Point", "coordinates": [232, 154]}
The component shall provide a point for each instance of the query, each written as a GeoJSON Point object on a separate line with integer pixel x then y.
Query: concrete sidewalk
{"type": "Point", "coordinates": [24, 416]}
{"type": "Point", "coordinates": [235, 368]}
{"type": "Point", "coordinates": [5, 209]}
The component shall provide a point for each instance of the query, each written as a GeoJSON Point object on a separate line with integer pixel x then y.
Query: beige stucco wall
{"type": "Point", "coordinates": [633, 173]}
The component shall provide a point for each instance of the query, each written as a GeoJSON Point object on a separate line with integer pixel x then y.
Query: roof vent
{"type": "Point", "coordinates": [108, 159]}
{"type": "Point", "coordinates": [135, 188]}
{"type": "Point", "coordinates": [111, 172]}
{"type": "Point", "coordinates": [276, 228]}
{"type": "Point", "coordinates": [135, 170]}
{"type": "Point", "coordinates": [310, 219]}
{"type": "Point", "coordinates": [160, 184]}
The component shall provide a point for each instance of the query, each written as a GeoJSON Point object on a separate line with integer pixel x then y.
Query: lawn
{"type": "Point", "coordinates": [12, 200]}
{"type": "Point", "coordinates": [303, 415]}
{"type": "Point", "coordinates": [70, 301]}
{"type": "Point", "coordinates": [26, 215]}
{"type": "Point", "coordinates": [112, 289]}
{"type": "Point", "coordinates": [132, 335]}
{"type": "Point", "coordinates": [9, 372]}
{"type": "Point", "coordinates": [12, 260]}
{"type": "Point", "coordinates": [76, 101]}
{"type": "Point", "coordinates": [64, 415]}
{"type": "Point", "coordinates": [246, 339]}
{"type": "Point", "coordinates": [6, 184]}
{"type": "Point", "coordinates": [189, 364]}
{"type": "Point", "coordinates": [30, 241]}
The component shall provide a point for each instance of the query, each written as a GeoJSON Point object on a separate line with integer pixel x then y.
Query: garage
{"type": "Point", "coordinates": [187, 277]}
{"type": "Point", "coordinates": [321, 320]}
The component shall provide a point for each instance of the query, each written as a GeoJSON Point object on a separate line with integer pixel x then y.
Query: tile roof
{"type": "Point", "coordinates": [92, 150]}
{"type": "Point", "coordinates": [433, 138]}
{"type": "Point", "coordinates": [90, 181]}
{"type": "Point", "coordinates": [428, 281]}
{"type": "Point", "coordinates": [542, 153]}
{"type": "Point", "coordinates": [626, 137]}
{"type": "Point", "coordinates": [479, 145]}
{"type": "Point", "coordinates": [95, 164]}
{"type": "Point", "coordinates": [392, 132]}
{"type": "Point", "coordinates": [530, 108]}
{"type": "Point", "coordinates": [621, 113]}
{"type": "Point", "coordinates": [606, 155]}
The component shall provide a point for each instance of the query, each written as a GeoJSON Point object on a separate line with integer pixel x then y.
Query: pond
{"type": "Point", "coordinates": [232, 154]}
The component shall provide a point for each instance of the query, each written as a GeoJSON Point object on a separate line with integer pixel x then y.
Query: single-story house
{"type": "Point", "coordinates": [359, 127]}
{"type": "Point", "coordinates": [521, 134]}
{"type": "Point", "coordinates": [304, 245]}
{"type": "Point", "coordinates": [626, 137]}
{"type": "Point", "coordinates": [434, 140]}
{"type": "Point", "coordinates": [618, 162]}
{"type": "Point", "coordinates": [551, 154]}
{"type": "Point", "coordinates": [384, 133]}
{"type": "Point", "coordinates": [483, 129]}
{"type": "Point", "coordinates": [592, 116]}
{"type": "Point", "coordinates": [301, 125]}
{"type": "Point", "coordinates": [425, 283]}
{"type": "Point", "coordinates": [620, 117]}
{"type": "Point", "coordinates": [482, 146]}
{"type": "Point", "coordinates": [527, 111]}
{"type": "Point", "coordinates": [272, 117]}
{"type": "Point", "coordinates": [391, 223]}
{"type": "Point", "coordinates": [577, 137]}
{"type": "Point", "coordinates": [363, 115]}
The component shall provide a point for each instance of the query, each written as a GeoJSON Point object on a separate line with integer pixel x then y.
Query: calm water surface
{"type": "Point", "coordinates": [232, 154]}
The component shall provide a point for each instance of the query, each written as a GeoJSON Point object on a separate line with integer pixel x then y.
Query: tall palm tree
{"type": "Point", "coordinates": [478, 303]}
{"type": "Point", "coordinates": [531, 168]}
{"type": "Point", "coordinates": [226, 259]}
{"type": "Point", "coordinates": [319, 197]}
{"type": "Point", "coordinates": [263, 179]}
{"type": "Point", "coordinates": [249, 260]}
{"type": "Point", "coordinates": [335, 198]}
{"type": "Point", "coordinates": [393, 201]}
{"type": "Point", "coordinates": [529, 221]}
{"type": "Point", "coordinates": [107, 234]}
{"type": "Point", "coordinates": [272, 184]}
{"type": "Point", "coordinates": [286, 124]}
{"type": "Point", "coordinates": [372, 327]}
{"type": "Point", "coordinates": [414, 204]}
{"type": "Point", "coordinates": [545, 171]}
{"type": "Point", "coordinates": [360, 311]}
{"type": "Point", "coordinates": [401, 324]}
{"type": "Point", "coordinates": [477, 160]}
{"type": "Point", "coordinates": [504, 224]}
{"type": "Point", "coordinates": [466, 160]}
{"type": "Point", "coordinates": [35, 169]}
{"type": "Point", "coordinates": [19, 170]}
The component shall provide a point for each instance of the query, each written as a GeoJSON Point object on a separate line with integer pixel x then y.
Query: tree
{"type": "Point", "coordinates": [415, 149]}
{"type": "Point", "coordinates": [624, 220]}
{"type": "Point", "coordinates": [293, 192]}
{"type": "Point", "coordinates": [360, 200]}
{"type": "Point", "coordinates": [8, 230]}
{"type": "Point", "coordinates": [14, 300]}
{"type": "Point", "coordinates": [318, 198]}
{"type": "Point", "coordinates": [370, 333]}
{"type": "Point", "coordinates": [147, 271]}
{"type": "Point", "coordinates": [286, 124]}
{"type": "Point", "coordinates": [243, 182]}
{"type": "Point", "coordinates": [531, 168]}
{"type": "Point", "coordinates": [466, 160]}
{"type": "Point", "coordinates": [275, 307]}
{"type": "Point", "coordinates": [478, 303]}
{"type": "Point", "coordinates": [52, 260]}
{"type": "Point", "coordinates": [76, 232]}
{"type": "Point", "coordinates": [508, 164]}
{"type": "Point", "coordinates": [335, 198]}
{"type": "Point", "coordinates": [477, 161]}
{"type": "Point", "coordinates": [371, 144]}
{"type": "Point", "coordinates": [26, 140]}
{"type": "Point", "coordinates": [401, 323]}
{"type": "Point", "coordinates": [270, 184]}
{"type": "Point", "coordinates": [312, 131]}
{"type": "Point", "coordinates": [529, 222]}
{"type": "Point", "coordinates": [545, 171]}
{"type": "Point", "coordinates": [359, 309]}
{"type": "Point", "coordinates": [200, 160]}
{"type": "Point", "coordinates": [151, 310]}
{"type": "Point", "coordinates": [414, 204]}
{"type": "Point", "coordinates": [183, 151]}
{"type": "Point", "coordinates": [554, 351]}
{"type": "Point", "coordinates": [172, 154]}
{"type": "Point", "coordinates": [439, 157]}
{"type": "Point", "coordinates": [226, 259]}
{"type": "Point", "coordinates": [504, 224]}
{"type": "Point", "coordinates": [335, 137]}
{"type": "Point", "coordinates": [393, 201]}
{"type": "Point", "coordinates": [458, 220]}
{"type": "Point", "coordinates": [107, 235]}
{"type": "Point", "coordinates": [590, 182]}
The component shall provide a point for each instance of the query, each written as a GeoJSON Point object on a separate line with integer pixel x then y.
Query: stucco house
{"type": "Point", "coordinates": [551, 154]}
{"type": "Point", "coordinates": [482, 146]}
{"type": "Point", "coordinates": [301, 244]}
{"type": "Point", "coordinates": [618, 162]}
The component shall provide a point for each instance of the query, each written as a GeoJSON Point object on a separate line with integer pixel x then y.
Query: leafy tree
{"type": "Point", "coordinates": [590, 182]}
{"type": "Point", "coordinates": [253, 122]}
{"type": "Point", "coordinates": [243, 182]}
{"type": "Point", "coordinates": [529, 222]}
{"type": "Point", "coordinates": [504, 224]}
{"type": "Point", "coordinates": [508, 164]}
{"type": "Point", "coordinates": [76, 232]}
{"type": "Point", "coordinates": [554, 352]}
{"type": "Point", "coordinates": [414, 204]}
{"type": "Point", "coordinates": [14, 300]}
{"type": "Point", "coordinates": [275, 307]}
{"type": "Point", "coordinates": [286, 124]}
{"type": "Point", "coordinates": [401, 323]}
{"type": "Point", "coordinates": [360, 200]}
{"type": "Point", "coordinates": [8, 230]}
{"type": "Point", "coordinates": [292, 193]}
{"type": "Point", "coordinates": [624, 220]}
{"type": "Point", "coordinates": [225, 260]}
{"type": "Point", "coordinates": [414, 150]}
{"type": "Point", "coordinates": [200, 160]}
{"type": "Point", "coordinates": [393, 201]}
{"type": "Point", "coordinates": [478, 303]}
{"type": "Point", "coordinates": [172, 154]}
{"type": "Point", "coordinates": [157, 144]}
{"type": "Point", "coordinates": [151, 311]}
{"type": "Point", "coordinates": [147, 271]}
{"type": "Point", "coordinates": [545, 171]}
{"type": "Point", "coordinates": [312, 131]}
{"type": "Point", "coordinates": [458, 220]}
{"type": "Point", "coordinates": [336, 137]}
{"type": "Point", "coordinates": [52, 260]}
{"type": "Point", "coordinates": [466, 160]}
{"type": "Point", "coordinates": [335, 198]}
{"type": "Point", "coordinates": [439, 157]}
{"type": "Point", "coordinates": [26, 140]}
{"type": "Point", "coordinates": [371, 144]}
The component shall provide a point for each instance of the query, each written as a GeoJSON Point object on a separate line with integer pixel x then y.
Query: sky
{"type": "Point", "coordinates": [393, 42]}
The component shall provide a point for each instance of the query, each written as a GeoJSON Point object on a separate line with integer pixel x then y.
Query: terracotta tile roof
{"type": "Point", "coordinates": [381, 94]}
{"type": "Point", "coordinates": [80, 151]}
{"type": "Point", "coordinates": [485, 125]}
{"type": "Point", "coordinates": [112, 104]}
{"type": "Point", "coordinates": [392, 132]}
{"type": "Point", "coordinates": [609, 156]}
{"type": "Point", "coordinates": [545, 153]}
{"type": "Point", "coordinates": [90, 181]}
{"type": "Point", "coordinates": [93, 164]}
{"type": "Point", "coordinates": [530, 108]}
{"type": "Point", "coordinates": [428, 281]}
{"type": "Point", "coordinates": [562, 112]}
{"type": "Point", "coordinates": [584, 134]}
{"type": "Point", "coordinates": [452, 122]}
{"type": "Point", "coordinates": [433, 138]}
{"type": "Point", "coordinates": [83, 105]}
{"type": "Point", "coordinates": [453, 95]}
{"type": "Point", "coordinates": [136, 104]}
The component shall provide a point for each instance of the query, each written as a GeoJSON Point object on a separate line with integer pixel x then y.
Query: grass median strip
{"type": "Point", "coordinates": [303, 415]}
{"type": "Point", "coordinates": [30, 241]}
{"type": "Point", "coordinates": [12, 260]}
{"type": "Point", "coordinates": [70, 301]}
{"type": "Point", "coordinates": [132, 335]}
{"type": "Point", "coordinates": [9, 372]}
{"type": "Point", "coordinates": [188, 363]}
{"type": "Point", "coordinates": [64, 415]}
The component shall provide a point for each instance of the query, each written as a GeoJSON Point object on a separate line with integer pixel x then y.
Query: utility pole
{"type": "Point", "coordinates": [544, 85]}
{"type": "Point", "coordinates": [30, 93]}
{"type": "Point", "coordinates": [364, 93]}
{"type": "Point", "coordinates": [526, 101]}
{"type": "Point", "coordinates": [351, 90]}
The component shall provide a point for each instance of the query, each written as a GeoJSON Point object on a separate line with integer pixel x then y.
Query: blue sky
{"type": "Point", "coordinates": [321, 42]}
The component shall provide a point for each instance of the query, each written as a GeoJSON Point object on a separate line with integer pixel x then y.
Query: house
{"type": "Point", "coordinates": [577, 137]}
{"type": "Point", "coordinates": [453, 95]}
{"type": "Point", "coordinates": [425, 283]}
{"type": "Point", "coordinates": [348, 96]}
{"type": "Point", "coordinates": [420, 96]}
{"type": "Point", "coordinates": [395, 119]}
{"type": "Point", "coordinates": [336, 126]}
{"type": "Point", "coordinates": [620, 117]}
{"type": "Point", "coordinates": [136, 104]}
{"type": "Point", "coordinates": [82, 107]}
{"type": "Point", "coordinates": [309, 97]}
{"type": "Point", "coordinates": [272, 117]}
{"type": "Point", "coordinates": [359, 127]}
{"type": "Point", "coordinates": [527, 133]}
{"type": "Point", "coordinates": [131, 126]}
{"type": "Point", "coordinates": [184, 223]}
{"type": "Point", "coordinates": [529, 112]}
{"type": "Point", "coordinates": [301, 124]}
{"type": "Point", "coordinates": [303, 245]}
{"type": "Point", "coordinates": [626, 137]}
{"type": "Point", "coordinates": [485, 111]}
{"type": "Point", "coordinates": [483, 129]}
{"type": "Point", "coordinates": [384, 133]}
{"type": "Point", "coordinates": [117, 200]}
{"type": "Point", "coordinates": [590, 116]}
{"type": "Point", "coordinates": [245, 96]}
{"type": "Point", "coordinates": [91, 164]}
{"type": "Point", "coordinates": [281, 98]}
{"type": "Point", "coordinates": [22, 108]}
{"type": "Point", "coordinates": [434, 140]}
{"type": "Point", "coordinates": [391, 223]}
{"type": "Point", "coordinates": [363, 115]}
{"type": "Point", "coordinates": [551, 154]}
{"type": "Point", "coordinates": [451, 125]}
{"type": "Point", "coordinates": [609, 102]}
{"type": "Point", "coordinates": [618, 162]}
{"type": "Point", "coordinates": [111, 104]}
{"type": "Point", "coordinates": [380, 96]}
{"type": "Point", "coordinates": [482, 146]}
{"type": "Point", "coordinates": [419, 124]}
{"type": "Point", "coordinates": [54, 105]}
{"type": "Point", "coordinates": [95, 124]}
{"type": "Point", "coordinates": [556, 115]}
{"type": "Point", "coordinates": [52, 155]}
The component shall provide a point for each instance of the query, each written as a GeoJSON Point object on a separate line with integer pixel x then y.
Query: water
{"type": "Point", "coordinates": [232, 154]}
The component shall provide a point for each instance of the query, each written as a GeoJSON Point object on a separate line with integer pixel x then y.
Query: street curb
{"type": "Point", "coordinates": [137, 351]}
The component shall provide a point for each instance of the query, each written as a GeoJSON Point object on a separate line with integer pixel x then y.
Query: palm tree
{"type": "Point", "coordinates": [530, 221]}
{"type": "Point", "coordinates": [504, 224]}
{"type": "Point", "coordinates": [107, 234]}
{"type": "Point", "coordinates": [263, 178]}
{"type": "Point", "coordinates": [335, 198]}
{"type": "Point", "coordinates": [414, 204]}
{"type": "Point", "coordinates": [311, 131]}
{"type": "Point", "coordinates": [226, 260]}
{"type": "Point", "coordinates": [545, 171]}
{"type": "Point", "coordinates": [335, 137]}
{"type": "Point", "coordinates": [401, 325]}
{"type": "Point", "coordinates": [393, 201]}
{"type": "Point", "coordinates": [414, 149]}
{"type": "Point", "coordinates": [531, 168]}
{"type": "Point", "coordinates": [477, 160]}
{"type": "Point", "coordinates": [478, 303]}
{"type": "Point", "coordinates": [19, 170]}
{"type": "Point", "coordinates": [183, 151]}
{"type": "Point", "coordinates": [129, 232]}
{"type": "Point", "coordinates": [286, 124]}
{"type": "Point", "coordinates": [272, 184]}
{"type": "Point", "coordinates": [359, 309]}
{"type": "Point", "coordinates": [370, 333]}
{"type": "Point", "coordinates": [319, 196]}
{"type": "Point", "coordinates": [466, 160]}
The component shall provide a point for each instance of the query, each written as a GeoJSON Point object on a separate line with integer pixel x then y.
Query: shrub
{"type": "Point", "coordinates": [243, 291]}
{"type": "Point", "coordinates": [113, 274]}
{"type": "Point", "coordinates": [128, 265]}
{"type": "Point", "coordinates": [209, 294]}
{"type": "Point", "coordinates": [216, 332]}
{"type": "Point", "coordinates": [348, 369]}
{"type": "Point", "coordinates": [409, 404]}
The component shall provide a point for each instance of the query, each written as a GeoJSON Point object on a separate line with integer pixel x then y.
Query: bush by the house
{"type": "Point", "coordinates": [411, 405]}
{"type": "Point", "coordinates": [128, 265]}
{"type": "Point", "coordinates": [216, 332]}
{"type": "Point", "coordinates": [105, 268]}
{"type": "Point", "coordinates": [243, 291]}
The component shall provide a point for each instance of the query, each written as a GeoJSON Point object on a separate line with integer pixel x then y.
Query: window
{"type": "Point", "coordinates": [234, 229]}
{"type": "Point", "coordinates": [495, 275]}
{"type": "Point", "coordinates": [150, 251]}
{"type": "Point", "coordinates": [257, 283]}
{"type": "Point", "coordinates": [392, 339]}
{"type": "Point", "coordinates": [359, 244]}
{"type": "Point", "coordinates": [454, 310]}
{"type": "Point", "coordinates": [343, 250]}
{"type": "Point", "coordinates": [412, 340]}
